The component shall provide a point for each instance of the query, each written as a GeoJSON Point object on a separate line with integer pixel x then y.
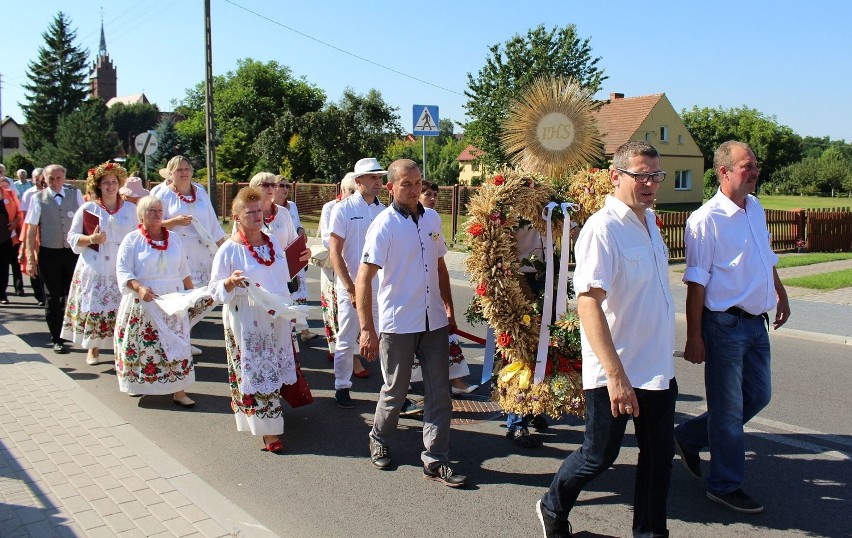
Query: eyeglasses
{"type": "Point", "coordinates": [283, 185]}
{"type": "Point", "coordinates": [268, 185]}
{"type": "Point", "coordinates": [645, 177]}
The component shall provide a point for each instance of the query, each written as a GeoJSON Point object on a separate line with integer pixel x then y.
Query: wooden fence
{"type": "Point", "coordinates": [829, 230]}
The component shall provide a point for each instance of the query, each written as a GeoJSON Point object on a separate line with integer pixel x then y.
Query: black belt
{"type": "Point", "coordinates": [740, 313]}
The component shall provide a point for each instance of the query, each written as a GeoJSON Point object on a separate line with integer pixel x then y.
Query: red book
{"type": "Point", "coordinates": [293, 252]}
{"type": "Point", "coordinates": [90, 222]}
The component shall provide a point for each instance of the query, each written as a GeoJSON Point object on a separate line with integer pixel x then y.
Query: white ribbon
{"type": "Point", "coordinates": [562, 281]}
{"type": "Point", "coordinates": [547, 306]}
{"type": "Point", "coordinates": [204, 234]}
{"type": "Point", "coordinates": [276, 306]}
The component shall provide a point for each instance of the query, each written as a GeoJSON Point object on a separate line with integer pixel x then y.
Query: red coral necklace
{"type": "Point", "coordinates": [114, 211]}
{"type": "Point", "coordinates": [183, 198]}
{"type": "Point", "coordinates": [151, 242]}
{"type": "Point", "coordinates": [254, 253]}
{"type": "Point", "coordinates": [271, 217]}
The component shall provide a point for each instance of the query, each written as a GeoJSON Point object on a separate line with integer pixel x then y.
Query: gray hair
{"type": "Point", "coordinates": [625, 152]}
{"type": "Point", "coordinates": [722, 157]}
{"type": "Point", "coordinates": [144, 204]}
{"type": "Point", "coordinates": [263, 177]}
{"type": "Point", "coordinates": [2, 169]}
{"type": "Point", "coordinates": [21, 174]}
{"type": "Point", "coordinates": [51, 167]}
{"type": "Point", "coordinates": [400, 166]}
{"type": "Point", "coordinates": [348, 183]}
{"type": "Point", "coordinates": [38, 172]}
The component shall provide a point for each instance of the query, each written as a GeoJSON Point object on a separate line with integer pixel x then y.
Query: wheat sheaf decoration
{"type": "Point", "coordinates": [549, 129]}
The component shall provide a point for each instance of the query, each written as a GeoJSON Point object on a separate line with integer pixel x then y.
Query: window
{"type": "Point", "coordinates": [680, 139]}
{"type": "Point", "coordinates": [11, 142]}
{"type": "Point", "coordinates": [683, 180]}
{"type": "Point", "coordinates": [474, 166]}
{"type": "Point", "coordinates": [647, 137]}
{"type": "Point", "coordinates": [664, 133]}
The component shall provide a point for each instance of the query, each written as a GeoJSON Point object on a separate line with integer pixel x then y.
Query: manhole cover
{"type": "Point", "coordinates": [470, 409]}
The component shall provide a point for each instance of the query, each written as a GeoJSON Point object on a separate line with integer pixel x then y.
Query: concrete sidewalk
{"type": "Point", "coordinates": [71, 467]}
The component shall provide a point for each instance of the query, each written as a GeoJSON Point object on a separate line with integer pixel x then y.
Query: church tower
{"type": "Point", "coordinates": [103, 81]}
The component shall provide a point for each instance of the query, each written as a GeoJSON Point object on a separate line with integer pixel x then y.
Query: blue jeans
{"type": "Point", "coordinates": [738, 383]}
{"type": "Point", "coordinates": [601, 444]}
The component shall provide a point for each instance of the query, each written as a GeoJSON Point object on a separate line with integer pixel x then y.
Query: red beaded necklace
{"type": "Point", "coordinates": [183, 198]}
{"type": "Point", "coordinates": [114, 211]}
{"type": "Point", "coordinates": [271, 217]}
{"type": "Point", "coordinates": [254, 253]}
{"type": "Point", "coordinates": [150, 241]}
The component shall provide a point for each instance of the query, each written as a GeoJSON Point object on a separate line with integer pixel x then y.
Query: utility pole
{"type": "Point", "coordinates": [208, 100]}
{"type": "Point", "coordinates": [1, 118]}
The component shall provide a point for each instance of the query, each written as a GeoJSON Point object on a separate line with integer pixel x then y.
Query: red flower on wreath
{"type": "Point", "coordinates": [481, 289]}
{"type": "Point", "coordinates": [109, 166]}
{"type": "Point", "coordinates": [91, 171]}
{"type": "Point", "coordinates": [503, 340]}
{"type": "Point", "coordinates": [475, 229]}
{"type": "Point", "coordinates": [499, 180]}
{"type": "Point", "coordinates": [496, 216]}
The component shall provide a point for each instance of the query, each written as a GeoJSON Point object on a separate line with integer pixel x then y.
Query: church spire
{"type": "Point", "coordinates": [102, 51]}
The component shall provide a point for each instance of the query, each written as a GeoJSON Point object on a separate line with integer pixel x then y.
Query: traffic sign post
{"type": "Point", "coordinates": [426, 122]}
{"type": "Point", "coordinates": [146, 144]}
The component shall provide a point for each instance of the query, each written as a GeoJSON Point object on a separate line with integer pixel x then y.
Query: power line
{"type": "Point", "coordinates": [329, 45]}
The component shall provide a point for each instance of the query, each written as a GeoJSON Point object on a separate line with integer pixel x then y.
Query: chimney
{"type": "Point", "coordinates": [614, 96]}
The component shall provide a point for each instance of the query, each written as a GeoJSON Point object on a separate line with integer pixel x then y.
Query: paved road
{"type": "Point", "coordinates": [323, 485]}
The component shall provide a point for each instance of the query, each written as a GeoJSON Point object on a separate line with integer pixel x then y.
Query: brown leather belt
{"type": "Point", "coordinates": [740, 313]}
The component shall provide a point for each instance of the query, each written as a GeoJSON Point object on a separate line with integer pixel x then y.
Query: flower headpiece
{"type": "Point", "coordinates": [109, 167]}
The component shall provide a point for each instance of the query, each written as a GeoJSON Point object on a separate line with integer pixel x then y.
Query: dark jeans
{"type": "Point", "coordinates": [8, 256]}
{"type": "Point", "coordinates": [601, 444]}
{"type": "Point", "coordinates": [56, 268]}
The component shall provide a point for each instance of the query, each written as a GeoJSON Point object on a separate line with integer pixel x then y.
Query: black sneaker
{"type": "Point", "coordinates": [539, 423]}
{"type": "Point", "coordinates": [59, 348]}
{"type": "Point", "coordinates": [344, 401]}
{"type": "Point", "coordinates": [521, 437]}
{"type": "Point", "coordinates": [691, 462]}
{"type": "Point", "coordinates": [410, 408]}
{"type": "Point", "coordinates": [551, 527]}
{"type": "Point", "coordinates": [443, 473]}
{"type": "Point", "coordinates": [379, 454]}
{"type": "Point", "coordinates": [737, 500]}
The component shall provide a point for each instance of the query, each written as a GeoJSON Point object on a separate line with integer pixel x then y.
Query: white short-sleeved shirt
{"type": "Point", "coordinates": [34, 213]}
{"type": "Point", "coordinates": [325, 222]}
{"type": "Point", "coordinates": [617, 254]}
{"type": "Point", "coordinates": [27, 197]}
{"type": "Point", "coordinates": [350, 220]}
{"type": "Point", "coordinates": [407, 254]}
{"type": "Point", "coordinates": [729, 252]}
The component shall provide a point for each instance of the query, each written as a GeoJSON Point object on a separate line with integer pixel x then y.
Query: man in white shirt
{"type": "Point", "coordinates": [49, 215]}
{"type": "Point", "coordinates": [38, 185]}
{"type": "Point", "coordinates": [405, 250]}
{"type": "Point", "coordinates": [627, 335]}
{"type": "Point", "coordinates": [349, 222]}
{"type": "Point", "coordinates": [731, 285]}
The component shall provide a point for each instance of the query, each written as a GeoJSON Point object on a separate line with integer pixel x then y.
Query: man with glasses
{"type": "Point", "coordinates": [627, 330]}
{"type": "Point", "coordinates": [349, 222]}
{"type": "Point", "coordinates": [731, 285]}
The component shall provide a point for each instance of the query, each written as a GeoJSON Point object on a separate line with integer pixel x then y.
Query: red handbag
{"type": "Point", "coordinates": [299, 393]}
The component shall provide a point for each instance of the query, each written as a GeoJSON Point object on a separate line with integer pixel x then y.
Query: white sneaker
{"type": "Point", "coordinates": [195, 351]}
{"type": "Point", "coordinates": [468, 390]}
{"type": "Point", "coordinates": [92, 361]}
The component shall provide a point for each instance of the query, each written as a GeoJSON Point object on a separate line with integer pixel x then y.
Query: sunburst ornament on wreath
{"type": "Point", "coordinates": [549, 129]}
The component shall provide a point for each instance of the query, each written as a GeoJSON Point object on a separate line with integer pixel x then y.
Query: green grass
{"type": "Point", "coordinates": [822, 281]}
{"type": "Point", "coordinates": [802, 202]}
{"type": "Point", "coordinates": [796, 260]}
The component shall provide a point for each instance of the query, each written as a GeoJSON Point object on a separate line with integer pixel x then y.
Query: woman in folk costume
{"type": "Point", "coordinates": [10, 230]}
{"type": "Point", "coordinates": [276, 219]}
{"type": "Point", "coordinates": [250, 277]}
{"type": "Point", "coordinates": [94, 294]}
{"type": "Point", "coordinates": [187, 211]}
{"type": "Point", "coordinates": [328, 293]}
{"type": "Point", "coordinates": [300, 296]}
{"type": "Point", "coordinates": [152, 354]}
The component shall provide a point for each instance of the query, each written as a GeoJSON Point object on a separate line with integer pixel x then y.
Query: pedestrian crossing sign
{"type": "Point", "coordinates": [425, 120]}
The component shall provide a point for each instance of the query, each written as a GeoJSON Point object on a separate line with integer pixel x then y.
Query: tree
{"type": "Point", "coordinates": [57, 84]}
{"type": "Point", "coordinates": [511, 67]}
{"type": "Point", "coordinates": [129, 120]}
{"type": "Point", "coordinates": [826, 174]}
{"type": "Point", "coordinates": [246, 102]}
{"type": "Point", "coordinates": [83, 140]}
{"type": "Point", "coordinates": [355, 127]}
{"type": "Point", "coordinates": [169, 142]}
{"type": "Point", "coordinates": [774, 145]}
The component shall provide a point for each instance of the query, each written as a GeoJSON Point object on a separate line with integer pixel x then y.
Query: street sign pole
{"type": "Point", "coordinates": [424, 157]}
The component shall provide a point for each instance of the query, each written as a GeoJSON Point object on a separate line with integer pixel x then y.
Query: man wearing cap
{"type": "Point", "coordinates": [404, 251]}
{"type": "Point", "coordinates": [49, 216]}
{"type": "Point", "coordinates": [349, 222]}
{"type": "Point", "coordinates": [731, 285]}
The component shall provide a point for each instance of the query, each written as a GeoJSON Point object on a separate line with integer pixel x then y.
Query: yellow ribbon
{"type": "Point", "coordinates": [524, 372]}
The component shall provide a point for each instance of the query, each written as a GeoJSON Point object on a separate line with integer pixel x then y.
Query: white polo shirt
{"type": "Point", "coordinates": [617, 254]}
{"type": "Point", "coordinates": [728, 251]}
{"type": "Point", "coordinates": [325, 221]}
{"type": "Point", "coordinates": [349, 221]}
{"type": "Point", "coordinates": [407, 254]}
{"type": "Point", "coordinates": [27, 197]}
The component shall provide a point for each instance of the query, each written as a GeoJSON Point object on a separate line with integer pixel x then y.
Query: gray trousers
{"type": "Point", "coordinates": [397, 352]}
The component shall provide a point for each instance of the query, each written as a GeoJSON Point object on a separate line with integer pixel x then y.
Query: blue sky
{"type": "Point", "coordinates": [786, 59]}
